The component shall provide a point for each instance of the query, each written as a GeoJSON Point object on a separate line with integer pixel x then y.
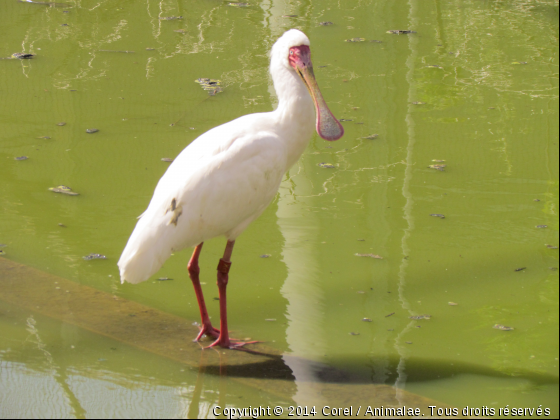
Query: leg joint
{"type": "Point", "coordinates": [224, 266]}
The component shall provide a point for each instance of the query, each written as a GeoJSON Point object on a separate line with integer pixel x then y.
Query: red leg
{"type": "Point", "coordinates": [194, 271]}
{"type": "Point", "coordinates": [223, 270]}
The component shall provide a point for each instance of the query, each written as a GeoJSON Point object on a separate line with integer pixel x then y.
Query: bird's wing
{"type": "Point", "coordinates": [213, 187]}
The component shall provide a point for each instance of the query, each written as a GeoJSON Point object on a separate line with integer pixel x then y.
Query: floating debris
{"type": "Point", "coordinates": [376, 41]}
{"type": "Point", "coordinates": [355, 40]}
{"type": "Point", "coordinates": [236, 4]}
{"type": "Point", "coordinates": [553, 268]}
{"type": "Point", "coordinates": [418, 103]}
{"type": "Point", "coordinates": [92, 130]}
{"type": "Point", "coordinates": [63, 189]}
{"type": "Point", "coordinates": [21, 56]}
{"type": "Point", "coordinates": [62, 225]}
{"type": "Point", "coordinates": [441, 216]}
{"type": "Point", "coordinates": [377, 257]}
{"type": "Point", "coordinates": [541, 226]}
{"type": "Point", "coordinates": [21, 158]}
{"type": "Point", "coordinates": [180, 31]}
{"type": "Point", "coordinates": [438, 167]}
{"type": "Point", "coordinates": [94, 257]}
{"type": "Point", "coordinates": [361, 240]}
{"type": "Point", "coordinates": [265, 256]}
{"type": "Point", "coordinates": [452, 303]}
{"type": "Point", "coordinates": [520, 269]}
{"type": "Point", "coordinates": [326, 165]}
{"type": "Point", "coordinates": [360, 292]}
{"type": "Point", "coordinates": [391, 314]}
{"type": "Point", "coordinates": [420, 317]}
{"type": "Point", "coordinates": [166, 160]}
{"type": "Point", "coordinates": [327, 23]}
{"type": "Point", "coordinates": [170, 17]}
{"type": "Point", "coordinates": [551, 246]}
{"type": "Point", "coordinates": [434, 66]}
{"type": "Point", "coordinates": [354, 333]}
{"type": "Point", "coordinates": [345, 120]}
{"type": "Point", "coordinates": [438, 160]}
{"type": "Point", "coordinates": [2, 252]}
{"type": "Point", "coordinates": [47, 3]}
{"type": "Point", "coordinates": [164, 279]}
{"type": "Point", "coordinates": [117, 51]}
{"type": "Point", "coordinates": [519, 62]}
{"type": "Point", "coordinates": [150, 49]}
{"type": "Point", "coordinates": [536, 200]}
{"type": "Point", "coordinates": [289, 16]}
{"type": "Point", "coordinates": [408, 342]}
{"type": "Point", "coordinates": [502, 327]}
{"type": "Point", "coordinates": [212, 86]}
{"type": "Point", "coordinates": [270, 320]}
{"type": "Point", "coordinates": [370, 137]}
{"type": "Point", "coordinates": [61, 124]}
{"type": "Point", "coordinates": [44, 138]}
{"type": "Point", "coordinates": [400, 32]}
{"type": "Point", "coordinates": [366, 319]}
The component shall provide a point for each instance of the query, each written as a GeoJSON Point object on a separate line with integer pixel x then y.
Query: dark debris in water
{"type": "Point", "coordinates": [441, 216]}
{"type": "Point", "coordinates": [551, 246]}
{"type": "Point", "coordinates": [21, 158]}
{"type": "Point", "coordinates": [212, 86]}
{"type": "Point", "coordinates": [355, 40]}
{"type": "Point", "coordinates": [171, 17]}
{"type": "Point", "coordinates": [166, 160]}
{"type": "Point", "coordinates": [541, 226]}
{"type": "Point", "coordinates": [92, 130]}
{"type": "Point", "coordinates": [94, 257]}
{"type": "Point", "coordinates": [391, 314]}
{"type": "Point", "coordinates": [520, 269]}
{"type": "Point", "coordinates": [326, 165]}
{"type": "Point", "coordinates": [420, 317]}
{"type": "Point", "coordinates": [354, 333]}
{"type": "Point", "coordinates": [503, 327]}
{"type": "Point", "coordinates": [265, 256]}
{"type": "Point", "coordinates": [164, 279]}
{"type": "Point", "coordinates": [61, 124]}
{"type": "Point", "coordinates": [63, 189]}
{"type": "Point", "coordinates": [22, 56]}
{"type": "Point", "coordinates": [44, 138]}
{"type": "Point", "coordinates": [401, 31]}
{"type": "Point", "coordinates": [366, 319]}
{"type": "Point", "coordinates": [117, 51]}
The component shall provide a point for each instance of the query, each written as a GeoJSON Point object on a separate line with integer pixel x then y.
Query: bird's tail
{"type": "Point", "coordinates": [143, 255]}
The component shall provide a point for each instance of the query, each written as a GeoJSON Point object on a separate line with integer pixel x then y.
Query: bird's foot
{"type": "Point", "coordinates": [208, 330]}
{"type": "Point", "coordinates": [228, 344]}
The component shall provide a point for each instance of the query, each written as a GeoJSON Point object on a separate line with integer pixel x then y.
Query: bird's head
{"type": "Point", "coordinates": [292, 51]}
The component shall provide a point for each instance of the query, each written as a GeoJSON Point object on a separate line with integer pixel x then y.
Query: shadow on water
{"type": "Point", "coordinates": [361, 371]}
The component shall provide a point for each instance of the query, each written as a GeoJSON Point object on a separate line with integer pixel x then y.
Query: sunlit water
{"type": "Point", "coordinates": [476, 87]}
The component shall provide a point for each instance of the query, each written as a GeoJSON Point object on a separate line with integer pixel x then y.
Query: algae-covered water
{"type": "Point", "coordinates": [474, 88]}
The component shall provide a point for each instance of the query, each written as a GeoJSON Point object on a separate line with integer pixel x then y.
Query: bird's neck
{"type": "Point", "coordinates": [295, 114]}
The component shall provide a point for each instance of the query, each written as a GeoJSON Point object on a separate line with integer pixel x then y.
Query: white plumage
{"type": "Point", "coordinates": [226, 178]}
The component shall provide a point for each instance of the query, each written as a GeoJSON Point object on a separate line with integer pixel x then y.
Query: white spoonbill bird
{"type": "Point", "coordinates": [227, 177]}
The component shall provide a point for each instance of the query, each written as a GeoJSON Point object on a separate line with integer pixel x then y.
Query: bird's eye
{"type": "Point", "coordinates": [291, 52]}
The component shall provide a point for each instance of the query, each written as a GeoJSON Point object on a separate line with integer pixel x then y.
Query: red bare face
{"type": "Point", "coordinates": [327, 125]}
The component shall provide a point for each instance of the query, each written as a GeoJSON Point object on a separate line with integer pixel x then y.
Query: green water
{"type": "Point", "coordinates": [490, 110]}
